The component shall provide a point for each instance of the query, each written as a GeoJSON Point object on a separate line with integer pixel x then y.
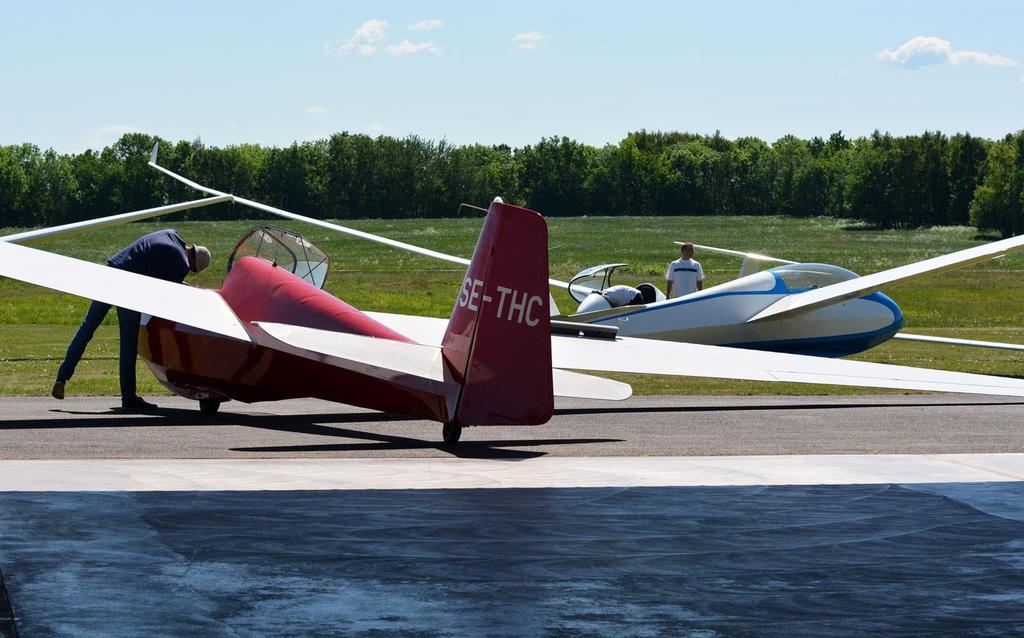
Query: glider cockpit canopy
{"type": "Point", "coordinates": [801, 277]}
{"type": "Point", "coordinates": [590, 280]}
{"type": "Point", "coordinates": [287, 250]}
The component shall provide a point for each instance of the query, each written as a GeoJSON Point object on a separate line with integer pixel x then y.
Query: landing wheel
{"type": "Point", "coordinates": [209, 406]}
{"type": "Point", "coordinates": [451, 433]}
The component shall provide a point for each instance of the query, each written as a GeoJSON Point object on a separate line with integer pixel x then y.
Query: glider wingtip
{"type": "Point", "coordinates": [152, 154]}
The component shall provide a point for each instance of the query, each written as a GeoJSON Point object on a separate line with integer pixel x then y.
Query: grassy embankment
{"type": "Point", "coordinates": [979, 303]}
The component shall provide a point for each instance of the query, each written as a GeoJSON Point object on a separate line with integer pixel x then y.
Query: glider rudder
{"type": "Point", "coordinates": [498, 341]}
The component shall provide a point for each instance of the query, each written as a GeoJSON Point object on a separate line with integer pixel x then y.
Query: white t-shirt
{"type": "Point", "coordinates": [620, 295]}
{"type": "Point", "coordinates": [684, 275]}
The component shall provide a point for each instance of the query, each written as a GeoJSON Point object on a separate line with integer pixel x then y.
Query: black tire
{"type": "Point", "coordinates": [209, 406]}
{"type": "Point", "coordinates": [451, 432]}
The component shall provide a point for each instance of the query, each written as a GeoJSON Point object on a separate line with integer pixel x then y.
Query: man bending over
{"type": "Point", "coordinates": [164, 255]}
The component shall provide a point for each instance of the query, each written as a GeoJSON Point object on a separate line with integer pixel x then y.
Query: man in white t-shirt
{"type": "Point", "coordinates": [684, 275]}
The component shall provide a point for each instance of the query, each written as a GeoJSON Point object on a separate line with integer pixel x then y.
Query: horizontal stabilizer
{"type": "Point", "coordinates": [959, 342]}
{"type": "Point", "coordinates": [585, 386]}
{"type": "Point", "coordinates": [738, 253]}
{"type": "Point", "coordinates": [203, 309]}
{"type": "Point", "coordinates": [425, 330]}
{"type": "Point", "coordinates": [751, 261]}
{"type": "Point", "coordinates": [807, 301]}
{"type": "Point", "coordinates": [410, 364]}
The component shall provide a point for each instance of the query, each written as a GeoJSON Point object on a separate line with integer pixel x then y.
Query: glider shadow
{"type": "Point", "coordinates": [313, 424]}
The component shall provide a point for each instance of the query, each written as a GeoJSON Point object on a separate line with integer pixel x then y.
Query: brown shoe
{"type": "Point", "coordinates": [58, 390]}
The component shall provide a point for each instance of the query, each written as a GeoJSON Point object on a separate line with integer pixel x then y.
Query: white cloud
{"type": "Point", "coordinates": [1022, 79]}
{"type": "Point", "coordinates": [370, 37]}
{"type": "Point", "coordinates": [107, 131]}
{"type": "Point", "coordinates": [977, 57]}
{"type": "Point", "coordinates": [317, 109]}
{"type": "Point", "coordinates": [924, 50]}
{"type": "Point", "coordinates": [365, 40]}
{"type": "Point", "coordinates": [411, 48]}
{"type": "Point", "coordinates": [425, 25]}
{"type": "Point", "coordinates": [528, 40]}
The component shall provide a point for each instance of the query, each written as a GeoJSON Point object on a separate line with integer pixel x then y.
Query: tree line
{"type": "Point", "coordinates": [884, 180]}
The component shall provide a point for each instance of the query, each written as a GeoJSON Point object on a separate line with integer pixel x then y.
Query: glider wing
{"type": "Point", "coordinates": [648, 356]}
{"type": "Point", "coordinates": [807, 301]}
{"type": "Point", "coordinates": [959, 342]}
{"type": "Point", "coordinates": [426, 252]}
{"type": "Point", "coordinates": [76, 228]}
{"type": "Point", "coordinates": [203, 309]}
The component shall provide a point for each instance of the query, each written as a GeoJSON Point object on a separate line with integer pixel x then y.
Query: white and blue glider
{"type": "Point", "coordinates": [799, 308]}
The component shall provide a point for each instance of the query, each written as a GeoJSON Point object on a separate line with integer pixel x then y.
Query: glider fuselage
{"type": "Point", "coordinates": [200, 365]}
{"type": "Point", "coordinates": [719, 316]}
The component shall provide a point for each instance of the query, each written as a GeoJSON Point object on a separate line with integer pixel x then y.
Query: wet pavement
{"type": "Point", "coordinates": [837, 560]}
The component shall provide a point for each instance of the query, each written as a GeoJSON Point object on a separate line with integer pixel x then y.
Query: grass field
{"type": "Point", "coordinates": [979, 303]}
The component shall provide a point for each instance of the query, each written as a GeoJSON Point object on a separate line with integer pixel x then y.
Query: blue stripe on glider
{"type": "Point", "coordinates": [835, 346]}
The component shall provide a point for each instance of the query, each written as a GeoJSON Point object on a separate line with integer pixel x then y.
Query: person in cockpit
{"type": "Point", "coordinates": [622, 296]}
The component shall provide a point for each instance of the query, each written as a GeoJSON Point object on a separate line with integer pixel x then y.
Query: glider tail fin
{"type": "Point", "coordinates": [498, 341]}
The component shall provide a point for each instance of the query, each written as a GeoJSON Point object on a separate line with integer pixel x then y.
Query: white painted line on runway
{"type": "Point", "coordinates": [379, 474]}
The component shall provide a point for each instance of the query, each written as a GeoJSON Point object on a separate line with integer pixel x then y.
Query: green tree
{"type": "Point", "coordinates": [99, 185]}
{"type": "Point", "coordinates": [141, 186]}
{"type": "Point", "coordinates": [966, 160]}
{"type": "Point", "coordinates": [294, 178]}
{"type": "Point", "coordinates": [999, 202]}
{"type": "Point", "coordinates": [350, 164]}
{"type": "Point", "coordinates": [13, 188]}
{"type": "Point", "coordinates": [552, 174]}
{"type": "Point", "coordinates": [811, 187]}
{"type": "Point", "coordinates": [791, 155]}
{"type": "Point", "coordinates": [752, 168]}
{"type": "Point", "coordinates": [476, 174]}
{"type": "Point", "coordinates": [694, 170]}
{"type": "Point", "coordinates": [869, 181]}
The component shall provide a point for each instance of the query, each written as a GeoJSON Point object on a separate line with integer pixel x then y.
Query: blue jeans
{"type": "Point", "coordinates": [128, 323]}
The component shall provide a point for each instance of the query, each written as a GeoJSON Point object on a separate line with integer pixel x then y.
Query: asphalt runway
{"type": "Point", "coordinates": [659, 516]}
{"type": "Point", "coordinates": [86, 427]}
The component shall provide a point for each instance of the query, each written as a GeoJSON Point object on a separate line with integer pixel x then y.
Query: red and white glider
{"type": "Point", "coordinates": [498, 359]}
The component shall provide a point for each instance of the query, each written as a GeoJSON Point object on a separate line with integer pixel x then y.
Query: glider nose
{"type": "Point", "coordinates": [891, 312]}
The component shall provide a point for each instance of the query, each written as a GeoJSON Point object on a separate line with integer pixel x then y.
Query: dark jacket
{"type": "Point", "coordinates": [161, 254]}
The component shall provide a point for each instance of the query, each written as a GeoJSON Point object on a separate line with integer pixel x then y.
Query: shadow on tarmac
{"type": "Point", "coordinates": [464, 450]}
{"type": "Point", "coordinates": [332, 425]}
{"type": "Point", "coordinates": [315, 424]}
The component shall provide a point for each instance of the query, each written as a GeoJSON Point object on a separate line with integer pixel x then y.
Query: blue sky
{"type": "Point", "coordinates": [77, 75]}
